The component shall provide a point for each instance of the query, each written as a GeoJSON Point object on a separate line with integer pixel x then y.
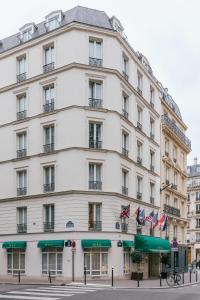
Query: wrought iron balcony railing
{"type": "Point", "coordinates": [21, 77]}
{"type": "Point", "coordinates": [139, 125]}
{"type": "Point", "coordinates": [152, 168]}
{"type": "Point", "coordinates": [47, 107]}
{"type": "Point", "coordinates": [21, 191]}
{"type": "Point", "coordinates": [125, 113]}
{"type": "Point", "coordinates": [124, 227]}
{"type": "Point", "coordinates": [95, 185]}
{"type": "Point", "coordinates": [97, 62]}
{"type": "Point", "coordinates": [124, 190]}
{"type": "Point", "coordinates": [22, 228]}
{"type": "Point", "coordinates": [48, 67]}
{"type": "Point", "coordinates": [139, 160]}
{"type": "Point", "coordinates": [95, 144]}
{"type": "Point", "coordinates": [95, 225]}
{"type": "Point", "coordinates": [48, 148]}
{"type": "Point", "coordinates": [49, 187]}
{"type": "Point", "coordinates": [21, 115]}
{"type": "Point", "coordinates": [124, 151]}
{"type": "Point", "coordinates": [21, 153]}
{"type": "Point", "coordinates": [125, 75]}
{"type": "Point", "coordinates": [139, 91]}
{"type": "Point", "coordinates": [139, 195]}
{"type": "Point", "coordinates": [152, 104]}
{"type": "Point", "coordinates": [152, 135]}
{"type": "Point", "coordinates": [172, 210]}
{"type": "Point", "coordinates": [48, 226]}
{"type": "Point", "coordinates": [152, 199]}
{"type": "Point", "coordinates": [174, 128]}
{"type": "Point", "coordinates": [95, 103]}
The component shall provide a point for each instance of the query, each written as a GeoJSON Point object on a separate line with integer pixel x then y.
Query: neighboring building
{"type": "Point", "coordinates": [175, 147]}
{"type": "Point", "coordinates": [193, 211]}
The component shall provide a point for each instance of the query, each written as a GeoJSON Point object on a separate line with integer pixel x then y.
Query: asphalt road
{"type": "Point", "coordinates": [30, 292]}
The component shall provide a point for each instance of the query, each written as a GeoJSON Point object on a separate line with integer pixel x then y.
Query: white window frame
{"type": "Point", "coordinates": [94, 53]}
{"type": "Point", "coordinates": [100, 271]}
{"type": "Point", "coordinates": [54, 271]}
{"type": "Point", "coordinates": [17, 253]}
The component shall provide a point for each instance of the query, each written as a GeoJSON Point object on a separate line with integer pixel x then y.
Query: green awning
{"type": "Point", "coordinates": [96, 244]}
{"type": "Point", "coordinates": [14, 245]}
{"type": "Point", "coordinates": [128, 244]}
{"type": "Point", "coordinates": [51, 244]}
{"type": "Point", "coordinates": [150, 244]}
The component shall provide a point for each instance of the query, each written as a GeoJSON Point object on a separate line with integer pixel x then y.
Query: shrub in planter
{"type": "Point", "coordinates": [137, 258]}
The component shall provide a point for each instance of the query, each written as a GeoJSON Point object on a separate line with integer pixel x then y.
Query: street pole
{"type": "Point", "coordinates": [73, 265]}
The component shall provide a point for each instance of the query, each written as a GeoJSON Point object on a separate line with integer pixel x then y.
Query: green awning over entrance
{"type": "Point", "coordinates": [14, 245]}
{"type": "Point", "coordinates": [96, 244]}
{"type": "Point", "coordinates": [128, 244]}
{"type": "Point", "coordinates": [51, 244]}
{"type": "Point", "coordinates": [150, 244]}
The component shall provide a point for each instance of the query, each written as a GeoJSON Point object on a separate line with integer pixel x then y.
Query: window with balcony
{"type": "Point", "coordinates": [139, 187]}
{"type": "Point", "coordinates": [49, 137]}
{"type": "Point", "coordinates": [21, 107]}
{"type": "Point", "coordinates": [125, 143]}
{"type": "Point", "coordinates": [49, 179]}
{"type": "Point", "coordinates": [125, 66]}
{"type": "Point", "coordinates": [139, 117]}
{"type": "Point", "coordinates": [166, 147]}
{"type": "Point", "coordinates": [174, 154]}
{"type": "Point", "coordinates": [21, 144]}
{"type": "Point", "coordinates": [95, 94]}
{"type": "Point", "coordinates": [152, 161]}
{"type": "Point", "coordinates": [125, 106]}
{"type": "Point", "coordinates": [95, 182]}
{"type": "Point", "coordinates": [174, 184]}
{"type": "Point", "coordinates": [152, 128]}
{"type": "Point", "coordinates": [124, 182]}
{"type": "Point", "coordinates": [49, 59]}
{"type": "Point", "coordinates": [21, 68]}
{"type": "Point", "coordinates": [152, 97]}
{"type": "Point", "coordinates": [95, 53]}
{"type": "Point", "coordinates": [152, 192]}
{"type": "Point", "coordinates": [95, 135]}
{"type": "Point", "coordinates": [95, 219]}
{"type": "Point", "coordinates": [167, 199]}
{"type": "Point", "coordinates": [49, 98]}
{"type": "Point", "coordinates": [139, 152]}
{"type": "Point", "coordinates": [197, 223]}
{"type": "Point", "coordinates": [175, 202]}
{"type": "Point", "coordinates": [197, 196]}
{"type": "Point", "coordinates": [139, 82]}
{"type": "Point", "coordinates": [21, 183]}
{"type": "Point", "coordinates": [167, 175]}
{"type": "Point", "coordinates": [48, 217]}
{"type": "Point", "coordinates": [198, 237]}
{"type": "Point", "coordinates": [197, 208]}
{"type": "Point", "coordinates": [22, 219]}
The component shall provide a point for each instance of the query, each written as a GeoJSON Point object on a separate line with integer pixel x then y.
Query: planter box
{"type": "Point", "coordinates": [136, 276]}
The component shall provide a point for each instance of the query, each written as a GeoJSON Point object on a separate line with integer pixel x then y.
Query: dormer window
{"type": "Point", "coordinates": [26, 32]}
{"type": "Point", "coordinates": [53, 20]}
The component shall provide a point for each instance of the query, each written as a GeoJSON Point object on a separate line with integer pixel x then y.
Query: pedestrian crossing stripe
{"type": "Point", "coordinates": [25, 297]}
{"type": "Point", "coordinates": [56, 291]}
{"type": "Point", "coordinates": [37, 293]}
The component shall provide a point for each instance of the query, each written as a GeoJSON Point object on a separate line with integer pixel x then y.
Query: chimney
{"type": "Point", "coordinates": [195, 161]}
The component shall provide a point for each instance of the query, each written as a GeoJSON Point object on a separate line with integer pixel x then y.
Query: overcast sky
{"type": "Point", "coordinates": [167, 32]}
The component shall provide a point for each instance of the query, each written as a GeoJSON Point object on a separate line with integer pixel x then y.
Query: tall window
{"type": "Point", "coordinates": [95, 94]}
{"type": "Point", "coordinates": [49, 178]}
{"type": "Point", "coordinates": [152, 160]}
{"type": "Point", "coordinates": [95, 220]}
{"type": "Point", "coordinates": [139, 83]}
{"type": "Point", "coordinates": [21, 107]}
{"type": "Point", "coordinates": [175, 180]}
{"type": "Point", "coordinates": [49, 98]}
{"type": "Point", "coordinates": [139, 152]}
{"type": "Point", "coordinates": [127, 261]}
{"type": "Point", "coordinates": [139, 117]}
{"type": "Point", "coordinates": [139, 187]}
{"type": "Point", "coordinates": [21, 182]}
{"type": "Point", "coordinates": [166, 147]}
{"type": "Point", "coordinates": [49, 217]}
{"type": "Point", "coordinates": [22, 219]}
{"type": "Point", "coordinates": [124, 182]}
{"type": "Point", "coordinates": [125, 67]}
{"type": "Point", "coordinates": [26, 35]}
{"type": "Point", "coordinates": [95, 53]}
{"type": "Point", "coordinates": [49, 59]}
{"type": "Point", "coordinates": [175, 154]}
{"type": "Point", "coordinates": [175, 202]}
{"type": "Point", "coordinates": [95, 182]}
{"type": "Point", "coordinates": [152, 192]}
{"type": "Point", "coordinates": [52, 261]}
{"type": "Point", "coordinates": [95, 135]}
{"type": "Point", "coordinates": [167, 175]}
{"type": "Point", "coordinates": [167, 199]}
{"type": "Point", "coordinates": [49, 136]}
{"type": "Point", "coordinates": [125, 106]}
{"type": "Point", "coordinates": [152, 128]}
{"type": "Point", "coordinates": [16, 261]}
{"type": "Point", "coordinates": [21, 68]}
{"type": "Point", "coordinates": [152, 95]}
{"type": "Point", "coordinates": [96, 261]}
{"type": "Point", "coordinates": [197, 223]}
{"type": "Point", "coordinates": [21, 144]}
{"type": "Point", "coordinates": [124, 143]}
{"type": "Point", "coordinates": [198, 237]}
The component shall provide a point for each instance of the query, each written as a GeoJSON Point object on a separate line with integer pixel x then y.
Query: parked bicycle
{"type": "Point", "coordinates": [173, 279]}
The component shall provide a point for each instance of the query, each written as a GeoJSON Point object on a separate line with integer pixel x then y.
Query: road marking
{"type": "Point", "coordinates": [40, 294]}
{"type": "Point", "coordinates": [194, 285]}
{"type": "Point", "coordinates": [26, 297]}
{"type": "Point", "coordinates": [72, 289]}
{"type": "Point", "coordinates": [55, 291]}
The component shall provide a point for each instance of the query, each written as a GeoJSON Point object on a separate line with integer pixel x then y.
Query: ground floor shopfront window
{"type": "Point", "coordinates": [127, 261]}
{"type": "Point", "coordinates": [96, 261]}
{"type": "Point", "coordinates": [52, 261]}
{"type": "Point", "coordinates": [15, 261]}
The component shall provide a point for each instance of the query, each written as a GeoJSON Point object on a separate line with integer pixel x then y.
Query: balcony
{"type": "Point", "coordinates": [125, 113]}
{"type": "Point", "coordinates": [21, 115]}
{"type": "Point", "coordinates": [139, 195]}
{"type": "Point", "coordinates": [152, 200]}
{"type": "Point", "coordinates": [95, 225]}
{"type": "Point", "coordinates": [175, 130]}
{"type": "Point", "coordinates": [139, 160]}
{"type": "Point", "coordinates": [95, 185]}
{"type": "Point", "coordinates": [95, 144]}
{"type": "Point", "coordinates": [167, 153]}
{"type": "Point", "coordinates": [48, 148]}
{"type": "Point", "coordinates": [48, 67]}
{"type": "Point", "coordinates": [48, 187]}
{"type": "Point", "coordinates": [97, 62]}
{"type": "Point", "coordinates": [197, 211]}
{"type": "Point", "coordinates": [174, 186]}
{"type": "Point", "coordinates": [125, 75]}
{"type": "Point", "coordinates": [21, 228]}
{"type": "Point", "coordinates": [124, 227]}
{"type": "Point", "coordinates": [152, 168]}
{"type": "Point", "coordinates": [95, 103]}
{"type": "Point", "coordinates": [124, 151]}
{"type": "Point", "coordinates": [48, 107]}
{"type": "Point", "coordinates": [172, 210]}
{"type": "Point", "coordinates": [48, 226]}
{"type": "Point", "coordinates": [139, 125]}
{"type": "Point", "coordinates": [21, 153]}
{"type": "Point", "coordinates": [21, 191]}
{"type": "Point", "coordinates": [139, 91]}
{"type": "Point", "coordinates": [167, 182]}
{"type": "Point", "coordinates": [21, 77]}
{"type": "Point", "coordinates": [124, 190]}
{"type": "Point", "coordinates": [152, 136]}
{"type": "Point", "coordinates": [175, 160]}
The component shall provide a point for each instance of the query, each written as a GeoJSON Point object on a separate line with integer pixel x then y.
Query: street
{"type": "Point", "coordinates": [30, 292]}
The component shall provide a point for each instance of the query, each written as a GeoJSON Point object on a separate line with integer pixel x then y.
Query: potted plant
{"type": "Point", "coordinates": [137, 258]}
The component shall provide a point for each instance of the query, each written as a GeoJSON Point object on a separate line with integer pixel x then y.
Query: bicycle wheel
{"type": "Point", "coordinates": [178, 279]}
{"type": "Point", "coordinates": [170, 280]}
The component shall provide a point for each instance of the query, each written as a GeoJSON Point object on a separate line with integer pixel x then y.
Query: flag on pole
{"type": "Point", "coordinates": [125, 212]}
{"type": "Point", "coordinates": [162, 222]}
{"type": "Point", "coordinates": [140, 216]}
{"type": "Point", "coordinates": [155, 220]}
{"type": "Point", "coordinates": [150, 217]}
